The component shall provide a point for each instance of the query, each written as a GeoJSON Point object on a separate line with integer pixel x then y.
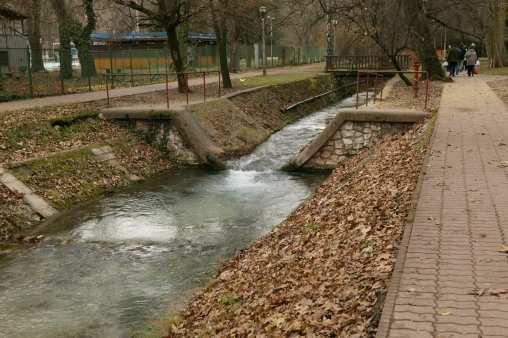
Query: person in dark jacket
{"type": "Point", "coordinates": [453, 60]}
{"type": "Point", "coordinates": [461, 63]}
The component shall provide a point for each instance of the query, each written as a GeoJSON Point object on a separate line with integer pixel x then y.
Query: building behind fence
{"type": "Point", "coordinates": [123, 66]}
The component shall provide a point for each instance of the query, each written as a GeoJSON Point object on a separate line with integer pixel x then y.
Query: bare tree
{"type": "Point", "coordinates": [71, 30]}
{"type": "Point", "coordinates": [219, 13]}
{"type": "Point", "coordinates": [168, 15]}
{"type": "Point", "coordinates": [496, 47]}
{"type": "Point", "coordinates": [34, 35]}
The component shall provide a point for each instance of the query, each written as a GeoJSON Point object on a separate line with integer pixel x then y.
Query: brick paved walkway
{"type": "Point", "coordinates": [121, 92]}
{"type": "Point", "coordinates": [452, 264]}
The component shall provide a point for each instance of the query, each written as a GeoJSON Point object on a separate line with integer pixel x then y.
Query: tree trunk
{"type": "Point", "coordinates": [65, 36]}
{"type": "Point", "coordinates": [233, 56]}
{"type": "Point", "coordinates": [223, 58]}
{"type": "Point", "coordinates": [83, 40]}
{"type": "Point", "coordinates": [65, 54]}
{"type": "Point", "coordinates": [176, 56]}
{"type": "Point", "coordinates": [86, 60]}
{"type": "Point", "coordinates": [395, 63]}
{"type": "Point", "coordinates": [416, 13]}
{"type": "Point", "coordinates": [220, 28]}
{"type": "Point", "coordinates": [34, 36]}
{"type": "Point", "coordinates": [496, 48]}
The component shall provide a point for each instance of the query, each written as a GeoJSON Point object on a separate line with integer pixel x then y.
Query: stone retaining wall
{"type": "Point", "coordinates": [349, 132]}
{"type": "Point", "coordinates": [350, 139]}
{"type": "Point", "coordinates": [165, 135]}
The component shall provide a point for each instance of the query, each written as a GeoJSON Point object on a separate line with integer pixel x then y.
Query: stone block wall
{"type": "Point", "coordinates": [350, 139]}
{"type": "Point", "coordinates": [166, 136]}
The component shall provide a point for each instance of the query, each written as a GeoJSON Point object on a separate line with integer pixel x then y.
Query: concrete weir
{"type": "Point", "coordinates": [349, 132]}
{"type": "Point", "coordinates": [176, 129]}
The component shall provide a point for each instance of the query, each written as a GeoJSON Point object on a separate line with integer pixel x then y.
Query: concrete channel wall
{"type": "Point", "coordinates": [349, 132]}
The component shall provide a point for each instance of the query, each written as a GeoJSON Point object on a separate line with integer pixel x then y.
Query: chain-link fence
{"type": "Point", "coordinates": [128, 67]}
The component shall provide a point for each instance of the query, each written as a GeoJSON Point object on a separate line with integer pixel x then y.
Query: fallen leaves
{"type": "Point", "coordinates": [319, 273]}
{"type": "Point", "coordinates": [503, 249]}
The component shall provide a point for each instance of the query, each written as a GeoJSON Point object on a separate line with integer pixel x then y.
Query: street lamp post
{"type": "Point", "coordinates": [335, 22]}
{"type": "Point", "coordinates": [262, 11]}
{"type": "Point", "coordinates": [271, 18]}
{"type": "Point", "coordinates": [329, 47]}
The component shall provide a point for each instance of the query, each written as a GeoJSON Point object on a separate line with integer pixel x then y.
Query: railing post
{"type": "Point", "coordinates": [107, 89]}
{"type": "Point", "coordinates": [357, 89]}
{"type": "Point", "coordinates": [111, 71]}
{"type": "Point", "coordinates": [427, 90]}
{"type": "Point", "coordinates": [167, 88]}
{"type": "Point", "coordinates": [367, 90]}
{"type": "Point", "coordinates": [187, 86]}
{"type": "Point", "coordinates": [416, 66]}
{"type": "Point", "coordinates": [375, 87]}
{"type": "Point", "coordinates": [204, 87]}
{"type": "Point", "coordinates": [220, 75]}
{"type": "Point", "coordinates": [131, 67]}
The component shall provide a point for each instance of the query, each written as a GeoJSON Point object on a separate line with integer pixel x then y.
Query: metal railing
{"type": "Point", "coordinates": [27, 73]}
{"type": "Point", "coordinates": [366, 62]}
{"type": "Point", "coordinates": [167, 76]}
{"type": "Point", "coordinates": [372, 82]}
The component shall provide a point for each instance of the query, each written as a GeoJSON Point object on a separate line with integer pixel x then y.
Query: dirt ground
{"type": "Point", "coordinates": [404, 97]}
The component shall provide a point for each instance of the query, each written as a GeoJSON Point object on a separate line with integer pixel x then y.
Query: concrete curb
{"type": "Point", "coordinates": [36, 203]}
{"type": "Point", "coordinates": [391, 295]}
{"type": "Point", "coordinates": [345, 115]}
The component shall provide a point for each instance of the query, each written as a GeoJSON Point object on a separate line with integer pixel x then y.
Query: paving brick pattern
{"type": "Point", "coordinates": [452, 263]}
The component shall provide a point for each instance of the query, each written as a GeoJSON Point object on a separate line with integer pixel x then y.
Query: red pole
{"type": "Point", "coordinates": [219, 82]}
{"type": "Point", "coordinates": [187, 87]}
{"type": "Point", "coordinates": [357, 89]}
{"type": "Point", "coordinates": [416, 77]}
{"type": "Point", "coordinates": [204, 87]}
{"type": "Point", "coordinates": [107, 88]}
{"type": "Point", "coordinates": [167, 89]}
{"type": "Point", "coordinates": [427, 90]}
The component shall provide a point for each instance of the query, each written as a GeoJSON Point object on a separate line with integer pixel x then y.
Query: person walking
{"type": "Point", "coordinates": [471, 60]}
{"type": "Point", "coordinates": [461, 63]}
{"type": "Point", "coordinates": [453, 60]}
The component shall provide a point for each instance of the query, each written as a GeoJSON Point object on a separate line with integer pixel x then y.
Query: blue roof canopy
{"type": "Point", "coordinates": [141, 36]}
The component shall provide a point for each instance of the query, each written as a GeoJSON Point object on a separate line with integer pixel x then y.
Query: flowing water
{"type": "Point", "coordinates": [112, 265]}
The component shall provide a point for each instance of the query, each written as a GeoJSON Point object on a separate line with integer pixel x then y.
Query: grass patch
{"type": "Point", "coordinates": [494, 71]}
{"type": "Point", "coordinates": [229, 299]}
{"type": "Point", "coordinates": [485, 69]}
{"type": "Point", "coordinates": [69, 177]}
